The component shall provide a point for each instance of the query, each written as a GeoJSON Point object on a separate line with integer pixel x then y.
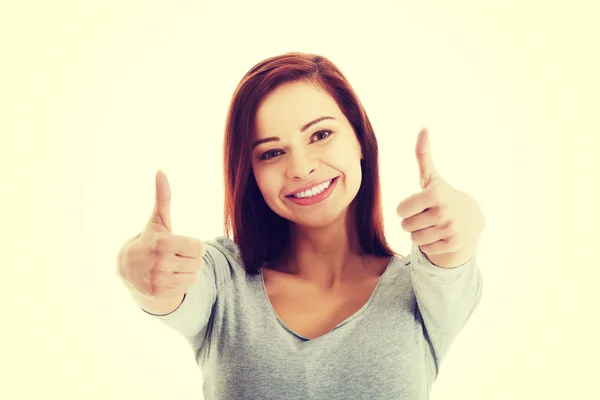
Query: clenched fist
{"type": "Point", "coordinates": [157, 263]}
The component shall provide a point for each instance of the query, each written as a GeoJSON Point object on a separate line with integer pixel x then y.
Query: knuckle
{"type": "Point", "coordinates": [153, 277]}
{"type": "Point", "coordinates": [437, 213]}
{"type": "Point", "coordinates": [156, 284]}
{"type": "Point", "coordinates": [153, 289]}
{"type": "Point", "coordinates": [159, 260]}
{"type": "Point", "coordinates": [160, 245]}
{"type": "Point", "coordinates": [155, 265]}
{"type": "Point", "coordinates": [403, 224]}
{"type": "Point", "coordinates": [451, 227]}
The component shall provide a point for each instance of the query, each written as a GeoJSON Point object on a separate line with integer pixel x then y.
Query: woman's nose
{"type": "Point", "coordinates": [301, 166]}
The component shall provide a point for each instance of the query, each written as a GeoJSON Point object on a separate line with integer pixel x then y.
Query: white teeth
{"type": "Point", "coordinates": [314, 191]}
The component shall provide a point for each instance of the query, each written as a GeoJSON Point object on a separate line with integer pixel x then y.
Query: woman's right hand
{"type": "Point", "coordinates": [157, 263]}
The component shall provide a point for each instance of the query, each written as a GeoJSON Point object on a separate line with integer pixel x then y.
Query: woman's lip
{"type": "Point", "coordinates": [311, 186]}
{"type": "Point", "coordinates": [316, 199]}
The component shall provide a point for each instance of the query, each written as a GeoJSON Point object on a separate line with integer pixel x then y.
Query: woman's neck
{"type": "Point", "coordinates": [323, 256]}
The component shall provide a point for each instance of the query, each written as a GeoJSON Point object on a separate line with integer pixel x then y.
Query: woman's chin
{"type": "Point", "coordinates": [317, 220]}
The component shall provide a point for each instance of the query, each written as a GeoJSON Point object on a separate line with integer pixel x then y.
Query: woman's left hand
{"type": "Point", "coordinates": [444, 222]}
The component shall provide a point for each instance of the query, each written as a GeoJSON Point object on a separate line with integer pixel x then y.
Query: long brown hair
{"type": "Point", "coordinates": [261, 234]}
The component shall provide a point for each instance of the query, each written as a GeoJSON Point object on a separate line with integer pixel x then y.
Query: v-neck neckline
{"type": "Point", "coordinates": [393, 259]}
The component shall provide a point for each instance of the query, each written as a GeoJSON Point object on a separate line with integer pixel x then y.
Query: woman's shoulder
{"type": "Point", "coordinates": [223, 244]}
{"type": "Point", "coordinates": [223, 255]}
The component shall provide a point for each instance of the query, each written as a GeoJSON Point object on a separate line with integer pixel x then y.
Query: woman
{"type": "Point", "coordinates": [304, 299]}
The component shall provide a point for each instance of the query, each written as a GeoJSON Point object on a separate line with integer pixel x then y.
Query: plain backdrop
{"type": "Point", "coordinates": [96, 96]}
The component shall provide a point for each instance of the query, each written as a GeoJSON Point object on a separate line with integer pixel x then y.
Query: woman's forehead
{"type": "Point", "coordinates": [291, 107]}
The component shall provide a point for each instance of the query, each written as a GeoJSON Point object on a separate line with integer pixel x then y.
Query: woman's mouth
{"type": "Point", "coordinates": [314, 195]}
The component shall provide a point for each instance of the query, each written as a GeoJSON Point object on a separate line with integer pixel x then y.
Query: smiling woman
{"type": "Point", "coordinates": [303, 298]}
{"type": "Point", "coordinates": [293, 123]}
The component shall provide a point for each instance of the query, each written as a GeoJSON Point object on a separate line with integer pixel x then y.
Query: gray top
{"type": "Point", "coordinates": [391, 348]}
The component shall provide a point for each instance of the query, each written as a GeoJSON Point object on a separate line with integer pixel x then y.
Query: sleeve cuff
{"type": "Point", "coordinates": [419, 259]}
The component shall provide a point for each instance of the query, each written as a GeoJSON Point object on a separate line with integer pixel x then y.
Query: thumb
{"type": "Point", "coordinates": [162, 203]}
{"type": "Point", "coordinates": [427, 170]}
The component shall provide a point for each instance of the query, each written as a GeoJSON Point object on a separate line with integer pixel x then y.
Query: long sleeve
{"type": "Point", "coordinates": [446, 299]}
{"type": "Point", "coordinates": [192, 317]}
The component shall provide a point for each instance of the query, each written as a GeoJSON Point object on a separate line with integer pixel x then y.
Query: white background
{"type": "Point", "coordinates": [95, 96]}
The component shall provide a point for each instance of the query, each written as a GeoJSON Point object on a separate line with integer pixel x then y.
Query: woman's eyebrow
{"type": "Point", "coordinates": [304, 128]}
{"type": "Point", "coordinates": [311, 123]}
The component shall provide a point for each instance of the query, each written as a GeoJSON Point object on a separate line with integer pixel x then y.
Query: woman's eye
{"type": "Point", "coordinates": [320, 134]}
{"type": "Point", "coordinates": [268, 154]}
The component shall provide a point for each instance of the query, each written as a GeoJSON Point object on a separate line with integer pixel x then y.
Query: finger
{"type": "Point", "coordinates": [183, 246]}
{"type": "Point", "coordinates": [423, 220]}
{"type": "Point", "coordinates": [179, 281]}
{"type": "Point", "coordinates": [170, 263]}
{"type": "Point", "coordinates": [429, 235]}
{"type": "Point", "coordinates": [181, 265]}
{"type": "Point", "coordinates": [163, 279]}
{"type": "Point", "coordinates": [446, 245]}
{"type": "Point", "coordinates": [415, 204]}
{"type": "Point", "coordinates": [162, 202]}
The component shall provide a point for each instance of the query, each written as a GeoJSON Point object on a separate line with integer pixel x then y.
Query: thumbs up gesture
{"type": "Point", "coordinates": [444, 222]}
{"type": "Point", "coordinates": [157, 263]}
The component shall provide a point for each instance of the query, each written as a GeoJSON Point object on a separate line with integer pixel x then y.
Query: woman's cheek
{"type": "Point", "coordinates": [271, 180]}
{"type": "Point", "coordinates": [337, 157]}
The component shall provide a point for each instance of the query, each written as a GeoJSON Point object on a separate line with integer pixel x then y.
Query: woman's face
{"type": "Point", "coordinates": [290, 154]}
